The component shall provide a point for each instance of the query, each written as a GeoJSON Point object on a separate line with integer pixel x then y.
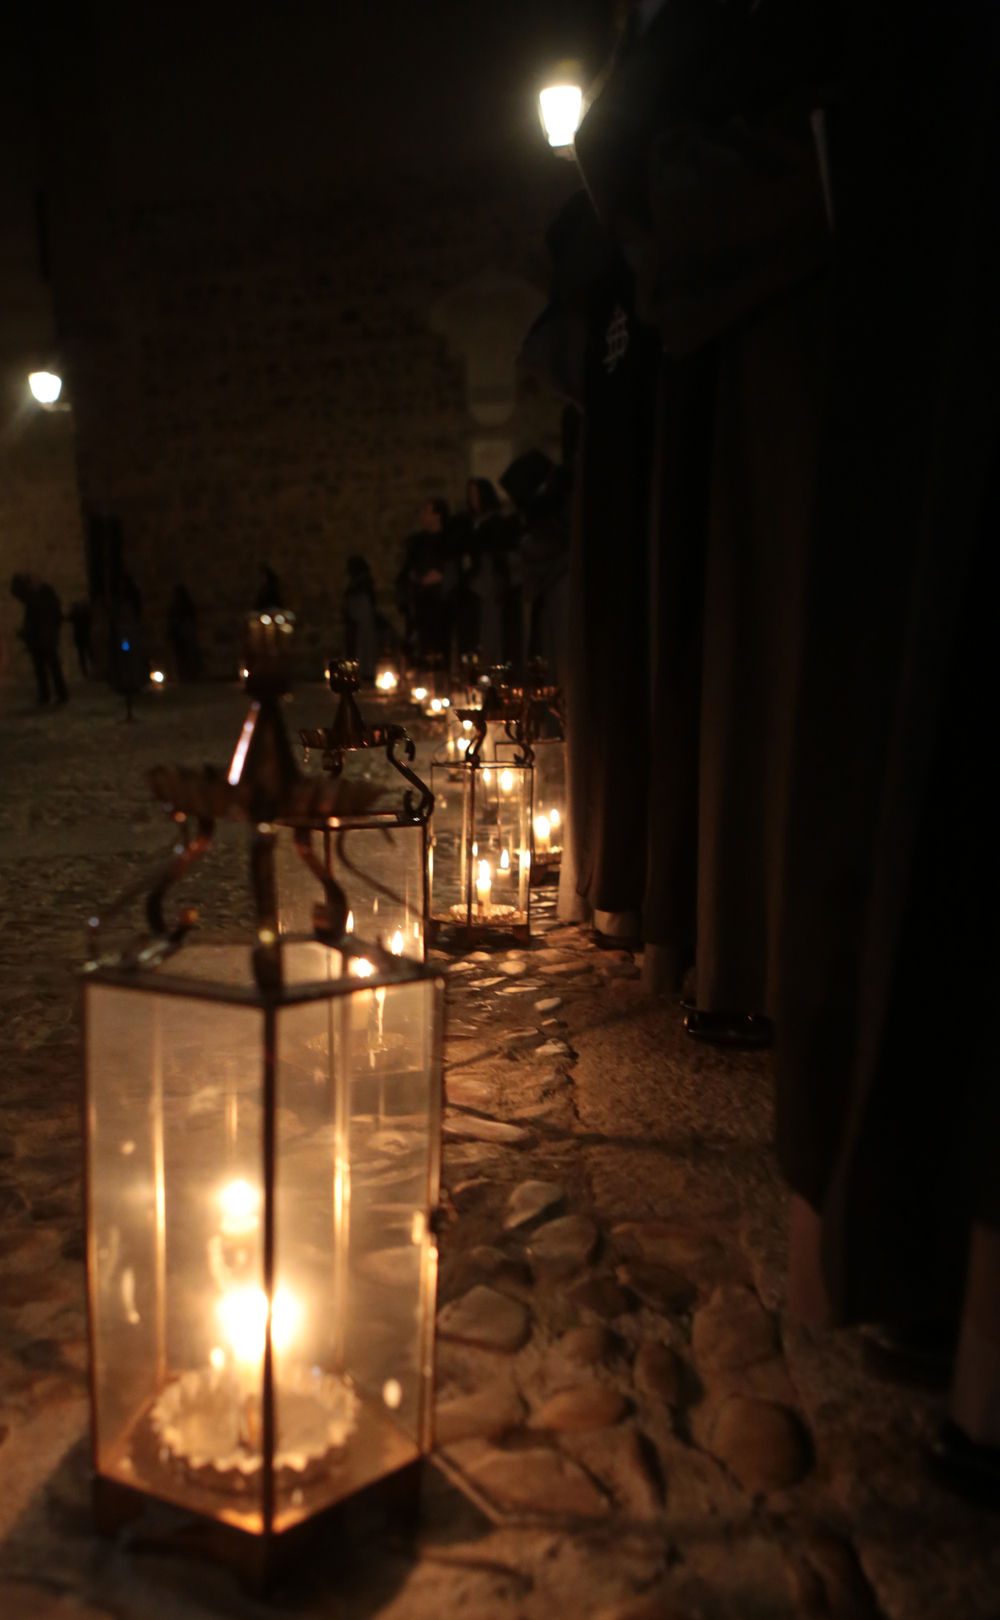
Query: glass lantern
{"type": "Point", "coordinates": [262, 1155]}
{"type": "Point", "coordinates": [381, 856]}
{"type": "Point", "coordinates": [545, 726]}
{"type": "Point", "coordinates": [480, 857]}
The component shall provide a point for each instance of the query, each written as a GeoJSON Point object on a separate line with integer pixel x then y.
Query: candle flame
{"type": "Point", "coordinates": [396, 947]}
{"type": "Point", "coordinates": [244, 1315]}
{"type": "Point", "coordinates": [542, 827]}
{"type": "Point", "coordinates": [486, 776]}
{"type": "Point", "coordinates": [505, 861]}
{"type": "Point", "coordinates": [349, 925]}
{"type": "Point", "coordinates": [485, 875]}
{"type": "Point", "coordinates": [507, 781]}
{"type": "Point", "coordinates": [240, 1207]}
{"type": "Point", "coordinates": [361, 968]}
{"type": "Point", "coordinates": [554, 818]}
{"type": "Point", "coordinates": [420, 692]}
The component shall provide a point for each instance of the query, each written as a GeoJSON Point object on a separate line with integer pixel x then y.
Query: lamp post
{"type": "Point", "coordinates": [262, 1157]}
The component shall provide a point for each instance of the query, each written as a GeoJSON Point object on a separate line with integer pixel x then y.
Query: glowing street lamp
{"type": "Point", "coordinates": [45, 386]}
{"type": "Point", "coordinates": [560, 108]}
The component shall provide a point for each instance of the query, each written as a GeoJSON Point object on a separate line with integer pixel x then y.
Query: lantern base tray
{"type": "Point", "coordinates": [211, 1431]}
{"type": "Point", "coordinates": [257, 1560]}
{"type": "Point", "coordinates": [513, 927]}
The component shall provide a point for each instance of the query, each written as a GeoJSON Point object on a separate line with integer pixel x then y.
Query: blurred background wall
{"type": "Point", "coordinates": [289, 251]}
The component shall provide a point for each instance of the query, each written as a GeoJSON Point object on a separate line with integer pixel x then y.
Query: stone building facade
{"type": "Point", "coordinates": [40, 528]}
{"type": "Point", "coordinates": [287, 388]}
{"type": "Point", "coordinates": [289, 316]}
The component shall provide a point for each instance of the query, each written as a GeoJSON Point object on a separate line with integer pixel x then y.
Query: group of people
{"type": "Point", "coordinates": [774, 304]}
{"type": "Point", "coordinates": [489, 580]}
{"type": "Point", "coordinates": [122, 658]}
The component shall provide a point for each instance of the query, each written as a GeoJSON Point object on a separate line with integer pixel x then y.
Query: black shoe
{"type": "Point", "coordinates": [964, 1466]}
{"type": "Point", "coordinates": [922, 1355]}
{"type": "Point", "coordinates": [729, 1029]}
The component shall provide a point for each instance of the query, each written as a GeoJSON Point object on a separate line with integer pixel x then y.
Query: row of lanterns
{"type": "Point", "coordinates": [263, 1119]}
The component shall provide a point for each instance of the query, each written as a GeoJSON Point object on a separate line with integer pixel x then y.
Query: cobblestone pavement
{"type": "Point", "coordinates": [628, 1426]}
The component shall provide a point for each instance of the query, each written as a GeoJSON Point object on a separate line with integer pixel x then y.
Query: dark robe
{"type": "Point", "coordinates": [888, 1116]}
{"type": "Point", "coordinates": [604, 861]}
{"type": "Point", "coordinates": [702, 161]}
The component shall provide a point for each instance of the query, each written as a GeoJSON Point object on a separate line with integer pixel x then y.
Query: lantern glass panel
{"type": "Point", "coordinates": [481, 850]}
{"type": "Point", "coordinates": [549, 813]}
{"type": "Point", "coordinates": [380, 865]}
{"type": "Point", "coordinates": [180, 1146]}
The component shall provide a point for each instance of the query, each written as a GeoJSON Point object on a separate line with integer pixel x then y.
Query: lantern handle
{"type": "Point", "coordinates": [330, 919]}
{"type": "Point", "coordinates": [420, 811]}
{"type": "Point", "coordinates": [167, 939]}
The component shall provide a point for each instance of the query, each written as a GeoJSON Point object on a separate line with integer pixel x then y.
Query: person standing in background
{"type": "Point", "coordinates": [360, 641]}
{"type": "Point", "coordinates": [182, 633]}
{"type": "Point", "coordinates": [40, 633]}
{"type": "Point", "coordinates": [268, 591]}
{"type": "Point", "coordinates": [81, 617]}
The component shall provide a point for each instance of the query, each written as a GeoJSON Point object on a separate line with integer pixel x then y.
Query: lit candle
{"type": "Point", "coordinates": [554, 818]}
{"type": "Point", "coordinates": [484, 884]}
{"type": "Point", "coordinates": [505, 860]}
{"type": "Point", "coordinates": [487, 777]}
{"type": "Point", "coordinates": [396, 947]}
{"type": "Point", "coordinates": [542, 831]}
{"type": "Point", "coordinates": [506, 780]}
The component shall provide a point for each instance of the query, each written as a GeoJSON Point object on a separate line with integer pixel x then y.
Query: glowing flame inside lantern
{"type": "Point", "coordinates": [396, 945]}
{"type": "Point", "coordinates": [505, 861]}
{"type": "Point", "coordinates": [506, 780]}
{"type": "Point", "coordinates": [243, 1314]}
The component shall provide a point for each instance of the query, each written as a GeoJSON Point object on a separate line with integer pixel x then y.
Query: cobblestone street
{"type": "Point", "coordinates": [628, 1426]}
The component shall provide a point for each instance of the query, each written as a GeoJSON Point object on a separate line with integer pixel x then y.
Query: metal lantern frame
{"type": "Point", "coordinates": [351, 733]}
{"type": "Point", "coordinates": [262, 789]}
{"type": "Point", "coordinates": [504, 708]}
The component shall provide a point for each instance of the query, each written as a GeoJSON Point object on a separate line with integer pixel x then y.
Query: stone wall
{"type": "Point", "coordinates": [272, 387]}
{"type": "Point", "coordinates": [39, 509]}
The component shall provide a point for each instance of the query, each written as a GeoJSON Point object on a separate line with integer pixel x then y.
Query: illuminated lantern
{"type": "Point", "coordinates": [545, 728]}
{"type": "Point", "coordinates": [380, 855]}
{"type": "Point", "coordinates": [262, 1139]}
{"type": "Point", "coordinates": [480, 858]}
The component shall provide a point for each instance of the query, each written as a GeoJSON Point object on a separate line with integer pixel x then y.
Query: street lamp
{"type": "Point", "coordinates": [45, 386]}
{"type": "Point", "coordinates": [560, 108]}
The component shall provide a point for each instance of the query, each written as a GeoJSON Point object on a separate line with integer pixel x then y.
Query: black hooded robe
{"type": "Point", "coordinates": [888, 1114]}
